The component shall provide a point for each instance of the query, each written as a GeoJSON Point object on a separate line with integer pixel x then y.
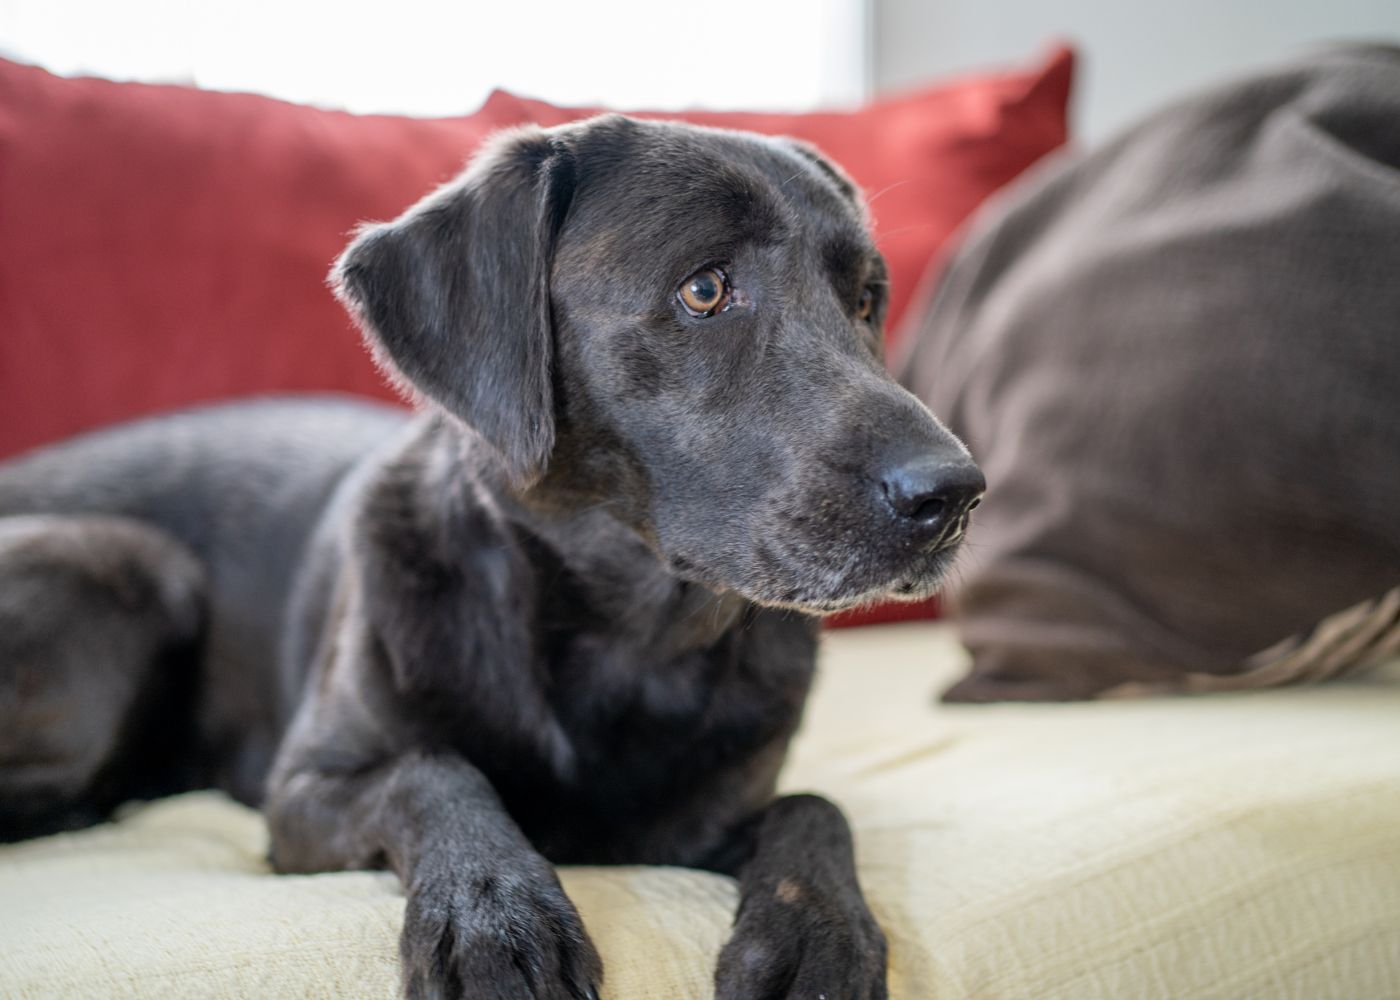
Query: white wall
{"type": "Point", "coordinates": [432, 57]}
{"type": "Point", "coordinates": [1134, 54]}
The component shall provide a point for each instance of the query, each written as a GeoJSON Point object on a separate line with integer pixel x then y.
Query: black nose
{"type": "Point", "coordinates": [933, 494]}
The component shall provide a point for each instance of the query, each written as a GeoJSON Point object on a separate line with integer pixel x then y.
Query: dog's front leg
{"type": "Point", "coordinates": [803, 929]}
{"type": "Point", "coordinates": [486, 915]}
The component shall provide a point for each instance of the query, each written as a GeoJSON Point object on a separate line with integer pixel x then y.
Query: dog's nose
{"type": "Point", "coordinates": [933, 494]}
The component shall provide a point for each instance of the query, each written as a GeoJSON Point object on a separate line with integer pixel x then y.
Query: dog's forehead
{"type": "Point", "coordinates": [648, 179]}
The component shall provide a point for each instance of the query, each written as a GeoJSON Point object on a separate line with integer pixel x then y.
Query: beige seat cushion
{"type": "Point", "coordinates": [1228, 846]}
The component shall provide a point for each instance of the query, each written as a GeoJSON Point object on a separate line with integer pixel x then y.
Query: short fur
{"type": "Point", "coordinates": [562, 615]}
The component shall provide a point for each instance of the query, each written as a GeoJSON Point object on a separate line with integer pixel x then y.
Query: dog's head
{"type": "Point", "coordinates": [684, 324]}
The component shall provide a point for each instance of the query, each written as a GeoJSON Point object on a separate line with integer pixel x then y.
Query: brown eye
{"type": "Point", "coordinates": [705, 292]}
{"type": "Point", "coordinates": [866, 306]}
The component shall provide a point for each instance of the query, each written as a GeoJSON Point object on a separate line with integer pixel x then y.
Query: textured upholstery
{"type": "Point", "coordinates": [1230, 847]}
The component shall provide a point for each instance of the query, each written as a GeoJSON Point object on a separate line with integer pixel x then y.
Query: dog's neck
{"type": "Point", "coordinates": [630, 590]}
{"type": "Point", "coordinates": [594, 569]}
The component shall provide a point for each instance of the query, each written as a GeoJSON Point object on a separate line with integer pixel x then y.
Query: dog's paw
{"type": "Point", "coordinates": [510, 934]}
{"type": "Point", "coordinates": [798, 943]}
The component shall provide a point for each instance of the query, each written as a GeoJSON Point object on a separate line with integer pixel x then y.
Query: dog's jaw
{"type": "Point", "coordinates": [817, 587]}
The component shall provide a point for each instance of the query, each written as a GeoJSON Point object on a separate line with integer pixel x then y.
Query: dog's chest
{"type": "Point", "coordinates": [675, 702]}
{"type": "Point", "coordinates": [669, 746]}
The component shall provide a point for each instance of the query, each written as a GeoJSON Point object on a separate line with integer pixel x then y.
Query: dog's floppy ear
{"type": "Point", "coordinates": [833, 173]}
{"type": "Point", "coordinates": [453, 296]}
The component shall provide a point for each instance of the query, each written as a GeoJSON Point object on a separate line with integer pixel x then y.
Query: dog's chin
{"type": "Point", "coordinates": [908, 591]}
{"type": "Point", "coordinates": [813, 591]}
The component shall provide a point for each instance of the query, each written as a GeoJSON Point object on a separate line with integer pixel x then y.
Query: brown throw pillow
{"type": "Point", "coordinates": [1178, 361]}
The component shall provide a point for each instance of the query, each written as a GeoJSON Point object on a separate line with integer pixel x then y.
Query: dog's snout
{"type": "Point", "coordinates": [933, 494]}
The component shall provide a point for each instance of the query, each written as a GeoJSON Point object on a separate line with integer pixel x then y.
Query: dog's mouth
{"type": "Point", "coordinates": [918, 585]}
{"type": "Point", "coordinates": [818, 587]}
{"type": "Point", "coordinates": [868, 565]}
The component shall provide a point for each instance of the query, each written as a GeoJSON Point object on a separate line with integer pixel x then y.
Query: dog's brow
{"type": "Point", "coordinates": [745, 204]}
{"type": "Point", "coordinates": [849, 262]}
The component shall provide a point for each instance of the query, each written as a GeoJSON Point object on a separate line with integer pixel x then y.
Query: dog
{"type": "Point", "coordinates": [563, 614]}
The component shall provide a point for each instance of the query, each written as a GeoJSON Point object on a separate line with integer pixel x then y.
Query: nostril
{"type": "Point", "coordinates": [976, 502]}
{"type": "Point", "coordinates": [928, 509]}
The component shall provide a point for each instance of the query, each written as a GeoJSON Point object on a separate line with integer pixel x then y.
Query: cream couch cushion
{"type": "Point", "coordinates": [1230, 847]}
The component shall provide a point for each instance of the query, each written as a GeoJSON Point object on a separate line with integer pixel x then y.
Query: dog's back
{"type": "Point", "coordinates": [218, 478]}
{"type": "Point", "coordinates": [240, 487]}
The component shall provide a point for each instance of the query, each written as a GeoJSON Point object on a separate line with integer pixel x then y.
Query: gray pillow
{"type": "Point", "coordinates": [1178, 361]}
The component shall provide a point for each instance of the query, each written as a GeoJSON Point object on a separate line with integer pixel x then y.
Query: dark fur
{"type": "Point", "coordinates": [561, 616]}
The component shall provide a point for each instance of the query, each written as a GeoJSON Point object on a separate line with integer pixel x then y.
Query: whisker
{"type": "Point", "coordinates": [885, 190]}
{"type": "Point", "coordinates": [903, 229]}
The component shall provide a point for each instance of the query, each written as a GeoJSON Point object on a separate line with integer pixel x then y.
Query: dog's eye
{"type": "Point", "coordinates": [705, 292]}
{"type": "Point", "coordinates": [865, 307]}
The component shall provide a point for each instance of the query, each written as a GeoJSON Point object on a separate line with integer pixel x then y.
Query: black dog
{"type": "Point", "coordinates": [563, 615]}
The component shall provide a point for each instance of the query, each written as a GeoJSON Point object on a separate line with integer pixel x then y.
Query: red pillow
{"type": "Point", "coordinates": [162, 246]}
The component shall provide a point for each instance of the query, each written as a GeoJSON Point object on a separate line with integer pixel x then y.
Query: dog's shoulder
{"type": "Point", "coordinates": [432, 548]}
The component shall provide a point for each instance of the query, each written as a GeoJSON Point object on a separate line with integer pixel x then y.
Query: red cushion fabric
{"type": "Point", "coordinates": [162, 246]}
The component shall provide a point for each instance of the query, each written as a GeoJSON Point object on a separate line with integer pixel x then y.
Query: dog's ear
{"type": "Point", "coordinates": [833, 173]}
{"type": "Point", "coordinates": [453, 296]}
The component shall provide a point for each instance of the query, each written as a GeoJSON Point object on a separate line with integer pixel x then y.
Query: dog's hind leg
{"type": "Point", "coordinates": [99, 622]}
